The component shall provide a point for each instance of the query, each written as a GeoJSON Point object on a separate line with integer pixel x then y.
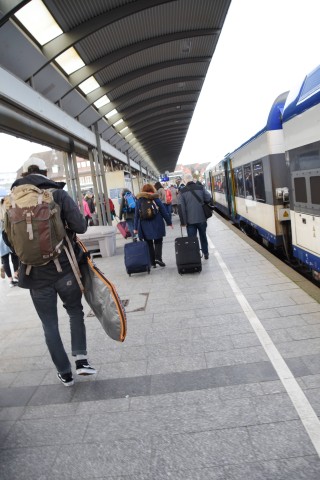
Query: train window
{"type": "Point", "coordinates": [315, 189]}
{"type": "Point", "coordinates": [304, 158]}
{"type": "Point", "coordinates": [300, 189]}
{"type": "Point", "coordinates": [218, 183]}
{"type": "Point", "coordinates": [238, 175]}
{"type": "Point", "coordinates": [258, 180]}
{"type": "Point", "coordinates": [248, 181]}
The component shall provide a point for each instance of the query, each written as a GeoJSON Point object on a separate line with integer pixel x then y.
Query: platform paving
{"type": "Point", "coordinates": [190, 395]}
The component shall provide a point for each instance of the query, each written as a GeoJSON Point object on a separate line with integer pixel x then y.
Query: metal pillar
{"type": "Point", "coordinates": [77, 181]}
{"type": "Point", "coordinates": [130, 172]}
{"type": "Point", "coordinates": [66, 172]}
{"type": "Point", "coordinates": [72, 177]}
{"type": "Point", "coordinates": [95, 185]}
{"type": "Point", "coordinates": [103, 176]}
{"type": "Point", "coordinates": [99, 199]}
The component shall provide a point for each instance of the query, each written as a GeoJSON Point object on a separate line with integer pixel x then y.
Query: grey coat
{"type": "Point", "coordinates": [190, 210]}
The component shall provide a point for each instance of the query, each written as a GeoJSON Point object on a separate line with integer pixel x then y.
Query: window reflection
{"type": "Point", "coordinates": [258, 178]}
{"type": "Point", "coordinates": [248, 181]}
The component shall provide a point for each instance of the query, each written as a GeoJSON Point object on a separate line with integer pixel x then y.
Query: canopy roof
{"type": "Point", "coordinates": [135, 68]}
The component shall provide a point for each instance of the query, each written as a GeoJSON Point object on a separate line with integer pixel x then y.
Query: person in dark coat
{"type": "Point", "coordinates": [152, 231]}
{"type": "Point", "coordinates": [46, 283]}
{"type": "Point", "coordinates": [191, 211]}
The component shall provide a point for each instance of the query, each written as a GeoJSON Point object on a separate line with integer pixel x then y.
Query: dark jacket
{"type": "Point", "coordinates": [190, 209]}
{"type": "Point", "coordinates": [155, 228]}
{"type": "Point", "coordinates": [45, 275]}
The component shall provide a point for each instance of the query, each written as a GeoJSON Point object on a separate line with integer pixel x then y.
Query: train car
{"type": "Point", "coordinates": [301, 128]}
{"type": "Point", "coordinates": [250, 185]}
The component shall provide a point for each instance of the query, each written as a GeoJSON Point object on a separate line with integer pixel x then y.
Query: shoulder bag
{"type": "Point", "coordinates": [207, 209]}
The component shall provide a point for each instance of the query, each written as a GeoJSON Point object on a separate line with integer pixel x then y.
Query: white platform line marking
{"type": "Point", "coordinates": [301, 403]}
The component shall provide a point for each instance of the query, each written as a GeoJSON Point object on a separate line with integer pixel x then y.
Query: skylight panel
{"type": "Point", "coordinates": [102, 101]}
{"type": "Point", "coordinates": [118, 122]}
{"type": "Point", "coordinates": [38, 21]}
{"type": "Point", "coordinates": [89, 85]}
{"type": "Point", "coordinates": [70, 61]}
{"type": "Point", "coordinates": [124, 131]}
{"type": "Point", "coordinates": [111, 113]}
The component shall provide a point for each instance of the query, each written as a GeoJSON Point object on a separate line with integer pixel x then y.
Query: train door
{"type": "Point", "coordinates": [230, 188]}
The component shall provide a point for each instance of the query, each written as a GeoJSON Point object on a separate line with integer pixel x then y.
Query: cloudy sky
{"type": "Point", "coordinates": [266, 47]}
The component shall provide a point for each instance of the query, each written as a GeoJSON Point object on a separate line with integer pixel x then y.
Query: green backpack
{"type": "Point", "coordinates": [33, 225]}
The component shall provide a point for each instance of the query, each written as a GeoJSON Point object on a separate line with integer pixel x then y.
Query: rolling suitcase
{"type": "Point", "coordinates": [136, 257]}
{"type": "Point", "coordinates": [188, 256]}
{"type": "Point", "coordinates": [123, 229]}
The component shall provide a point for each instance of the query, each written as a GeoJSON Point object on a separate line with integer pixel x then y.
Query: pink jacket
{"type": "Point", "coordinates": [86, 209]}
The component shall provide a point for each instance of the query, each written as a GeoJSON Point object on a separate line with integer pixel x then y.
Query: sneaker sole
{"type": "Point", "coordinates": [67, 384]}
{"type": "Point", "coordinates": [84, 371]}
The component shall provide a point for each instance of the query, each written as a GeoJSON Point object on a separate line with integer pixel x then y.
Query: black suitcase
{"type": "Point", "coordinates": [136, 257]}
{"type": "Point", "coordinates": [188, 256]}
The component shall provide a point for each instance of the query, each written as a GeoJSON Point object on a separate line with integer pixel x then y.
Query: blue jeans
{"type": "Point", "coordinates": [168, 207]}
{"type": "Point", "coordinates": [201, 228]}
{"type": "Point", "coordinates": [45, 302]}
{"type": "Point", "coordinates": [130, 226]}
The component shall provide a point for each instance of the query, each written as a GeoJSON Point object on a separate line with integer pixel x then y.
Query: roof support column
{"type": "Point", "coordinates": [103, 176]}
{"type": "Point", "coordinates": [77, 181]}
{"type": "Point", "coordinates": [100, 199]}
{"type": "Point", "coordinates": [95, 184]}
{"type": "Point", "coordinates": [66, 172]}
{"type": "Point", "coordinates": [72, 172]}
{"type": "Point", "coordinates": [130, 172]}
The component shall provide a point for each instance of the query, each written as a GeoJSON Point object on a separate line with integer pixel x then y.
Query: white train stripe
{"type": "Point", "coordinates": [301, 403]}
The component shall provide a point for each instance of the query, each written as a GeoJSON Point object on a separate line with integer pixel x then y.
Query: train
{"type": "Point", "coordinates": [270, 185]}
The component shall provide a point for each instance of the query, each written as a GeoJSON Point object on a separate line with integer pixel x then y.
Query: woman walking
{"type": "Point", "coordinates": [152, 230]}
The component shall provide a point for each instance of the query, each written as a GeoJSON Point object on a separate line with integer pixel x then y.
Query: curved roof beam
{"type": "Point", "coordinates": [9, 8]}
{"type": "Point", "coordinates": [170, 128]}
{"type": "Point", "coordinates": [58, 45]}
{"type": "Point", "coordinates": [170, 132]}
{"type": "Point", "coordinates": [93, 68]}
{"type": "Point", "coordinates": [140, 72]}
{"type": "Point", "coordinates": [142, 90]}
{"type": "Point", "coordinates": [168, 119]}
{"type": "Point", "coordinates": [169, 115]}
{"type": "Point", "coordinates": [176, 106]}
{"type": "Point", "coordinates": [149, 119]}
{"type": "Point", "coordinates": [134, 93]}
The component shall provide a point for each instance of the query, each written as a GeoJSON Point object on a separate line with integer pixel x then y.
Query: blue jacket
{"type": "Point", "coordinates": [190, 209]}
{"type": "Point", "coordinates": [155, 228]}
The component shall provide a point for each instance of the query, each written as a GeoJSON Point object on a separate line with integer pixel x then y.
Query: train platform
{"type": "Point", "coordinates": [218, 378]}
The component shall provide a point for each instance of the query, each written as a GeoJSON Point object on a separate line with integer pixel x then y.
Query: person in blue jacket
{"type": "Point", "coordinates": [152, 230]}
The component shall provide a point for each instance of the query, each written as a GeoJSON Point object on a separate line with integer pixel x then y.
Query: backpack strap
{"type": "Point", "coordinates": [73, 262]}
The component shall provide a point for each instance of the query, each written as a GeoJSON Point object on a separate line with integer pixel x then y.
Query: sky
{"type": "Point", "coordinates": [266, 47]}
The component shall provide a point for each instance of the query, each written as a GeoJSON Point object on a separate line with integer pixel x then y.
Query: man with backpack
{"type": "Point", "coordinates": [46, 267]}
{"type": "Point", "coordinates": [127, 209]}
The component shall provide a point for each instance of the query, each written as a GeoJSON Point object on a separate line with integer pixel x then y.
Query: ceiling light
{"type": "Point", "coordinates": [38, 21]}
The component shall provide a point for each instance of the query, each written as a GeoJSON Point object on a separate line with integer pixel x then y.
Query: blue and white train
{"type": "Point", "coordinates": [270, 185]}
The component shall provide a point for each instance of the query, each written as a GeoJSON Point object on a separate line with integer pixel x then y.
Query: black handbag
{"type": "Point", "coordinates": [207, 208]}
